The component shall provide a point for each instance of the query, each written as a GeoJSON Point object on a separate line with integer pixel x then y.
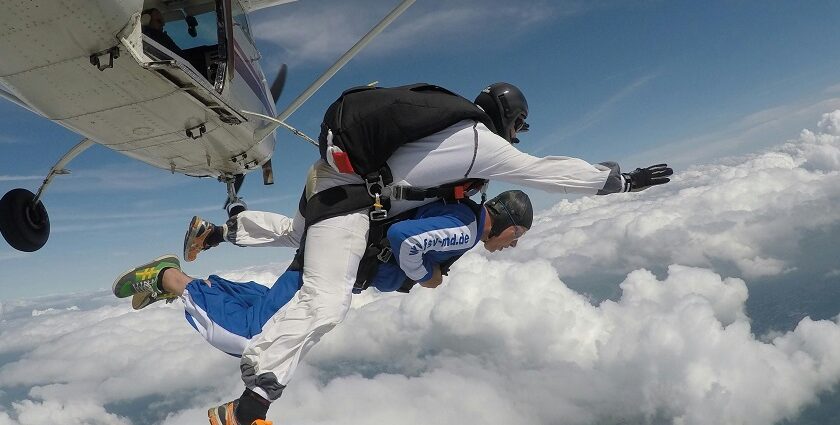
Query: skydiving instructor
{"type": "Point", "coordinates": [335, 246]}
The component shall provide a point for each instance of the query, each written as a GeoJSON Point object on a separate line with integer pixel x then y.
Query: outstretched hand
{"type": "Point", "coordinates": [643, 178]}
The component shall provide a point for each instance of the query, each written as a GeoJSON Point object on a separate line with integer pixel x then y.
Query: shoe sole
{"type": "Point", "coordinates": [140, 301]}
{"type": "Point", "coordinates": [143, 299]}
{"type": "Point", "coordinates": [192, 232]}
{"type": "Point", "coordinates": [213, 416]}
{"type": "Point", "coordinates": [131, 270]}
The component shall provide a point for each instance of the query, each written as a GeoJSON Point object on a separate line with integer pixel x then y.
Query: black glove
{"type": "Point", "coordinates": [643, 178]}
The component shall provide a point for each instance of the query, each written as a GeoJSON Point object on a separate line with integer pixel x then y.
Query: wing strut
{"type": "Point", "coordinates": [345, 58]}
{"type": "Point", "coordinates": [24, 221]}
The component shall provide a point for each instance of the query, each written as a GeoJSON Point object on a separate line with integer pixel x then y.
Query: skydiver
{"type": "Point", "coordinates": [228, 314]}
{"type": "Point", "coordinates": [336, 245]}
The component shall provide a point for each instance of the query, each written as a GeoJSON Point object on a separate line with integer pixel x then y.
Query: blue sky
{"type": "Point", "coordinates": [637, 82]}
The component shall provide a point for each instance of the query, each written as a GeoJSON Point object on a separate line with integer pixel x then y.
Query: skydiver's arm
{"type": "Point", "coordinates": [412, 240]}
{"type": "Point", "coordinates": [499, 160]}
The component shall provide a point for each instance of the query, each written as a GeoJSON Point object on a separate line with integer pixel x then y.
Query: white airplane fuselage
{"type": "Point", "coordinates": [179, 111]}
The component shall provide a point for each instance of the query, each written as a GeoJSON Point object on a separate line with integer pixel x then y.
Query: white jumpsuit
{"type": "Point", "coordinates": [335, 246]}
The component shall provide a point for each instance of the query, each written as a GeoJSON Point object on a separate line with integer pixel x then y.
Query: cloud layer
{"type": "Point", "coordinates": [504, 340]}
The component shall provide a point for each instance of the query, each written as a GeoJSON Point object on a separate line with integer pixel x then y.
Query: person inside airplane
{"type": "Point", "coordinates": [153, 24]}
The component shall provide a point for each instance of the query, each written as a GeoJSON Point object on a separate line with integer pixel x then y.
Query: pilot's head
{"type": "Point", "coordinates": [153, 19]}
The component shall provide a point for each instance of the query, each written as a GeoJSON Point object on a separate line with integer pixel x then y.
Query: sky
{"type": "Point", "coordinates": [709, 300]}
{"type": "Point", "coordinates": [638, 82]}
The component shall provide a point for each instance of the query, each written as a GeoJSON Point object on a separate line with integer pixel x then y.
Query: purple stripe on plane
{"type": "Point", "coordinates": [246, 70]}
{"type": "Point", "coordinates": [238, 49]}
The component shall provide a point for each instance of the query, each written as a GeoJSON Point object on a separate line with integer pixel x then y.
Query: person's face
{"type": "Point", "coordinates": [507, 239]}
{"type": "Point", "coordinates": [156, 20]}
{"type": "Point", "coordinates": [518, 126]}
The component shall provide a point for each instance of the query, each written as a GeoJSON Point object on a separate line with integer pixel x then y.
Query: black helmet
{"type": "Point", "coordinates": [510, 208]}
{"type": "Point", "coordinates": [506, 106]}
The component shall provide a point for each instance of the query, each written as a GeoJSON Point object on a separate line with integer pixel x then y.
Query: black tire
{"type": "Point", "coordinates": [26, 227]}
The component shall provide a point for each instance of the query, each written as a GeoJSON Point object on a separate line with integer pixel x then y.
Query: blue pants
{"type": "Point", "coordinates": [228, 314]}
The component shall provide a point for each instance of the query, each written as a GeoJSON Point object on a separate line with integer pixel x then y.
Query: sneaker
{"type": "Point", "coordinates": [224, 415]}
{"type": "Point", "coordinates": [144, 278]}
{"type": "Point", "coordinates": [143, 299]}
{"type": "Point", "coordinates": [196, 239]}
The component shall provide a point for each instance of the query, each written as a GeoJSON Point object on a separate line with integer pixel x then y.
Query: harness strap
{"type": "Point", "coordinates": [336, 201]}
{"type": "Point", "coordinates": [378, 249]}
{"type": "Point", "coordinates": [450, 193]}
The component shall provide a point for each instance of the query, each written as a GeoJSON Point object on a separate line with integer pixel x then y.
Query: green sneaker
{"type": "Point", "coordinates": [142, 300]}
{"type": "Point", "coordinates": [144, 278]}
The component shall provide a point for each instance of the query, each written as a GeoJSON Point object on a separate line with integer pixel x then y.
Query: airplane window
{"type": "Point", "coordinates": [206, 31]}
{"type": "Point", "coordinates": [240, 19]}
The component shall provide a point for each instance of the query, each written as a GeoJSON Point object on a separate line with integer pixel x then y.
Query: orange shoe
{"type": "Point", "coordinates": [224, 415]}
{"type": "Point", "coordinates": [195, 240]}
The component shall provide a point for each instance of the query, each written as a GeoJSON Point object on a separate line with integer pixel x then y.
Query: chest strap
{"type": "Point", "coordinates": [453, 192]}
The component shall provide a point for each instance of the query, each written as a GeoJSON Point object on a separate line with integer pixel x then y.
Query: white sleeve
{"type": "Point", "coordinates": [260, 228]}
{"type": "Point", "coordinates": [496, 159]}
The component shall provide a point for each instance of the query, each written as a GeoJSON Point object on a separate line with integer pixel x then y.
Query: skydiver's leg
{"type": "Point", "coordinates": [260, 228]}
{"type": "Point", "coordinates": [248, 228]}
{"type": "Point", "coordinates": [334, 248]}
{"type": "Point", "coordinates": [174, 281]}
{"type": "Point", "coordinates": [227, 314]}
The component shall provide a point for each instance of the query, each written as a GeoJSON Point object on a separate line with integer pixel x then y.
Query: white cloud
{"type": "Point", "coordinates": [37, 312]}
{"type": "Point", "coordinates": [756, 131]}
{"type": "Point", "coordinates": [6, 140]}
{"type": "Point", "coordinates": [309, 35]}
{"type": "Point", "coordinates": [50, 412]}
{"type": "Point", "coordinates": [504, 340]}
{"type": "Point", "coordinates": [19, 178]}
{"type": "Point", "coordinates": [535, 352]}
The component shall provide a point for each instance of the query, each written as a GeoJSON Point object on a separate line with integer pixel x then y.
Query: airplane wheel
{"type": "Point", "coordinates": [26, 227]}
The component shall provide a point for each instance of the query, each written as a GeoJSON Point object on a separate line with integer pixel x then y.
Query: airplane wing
{"type": "Point", "coordinates": [5, 94]}
{"type": "Point", "coordinates": [252, 5]}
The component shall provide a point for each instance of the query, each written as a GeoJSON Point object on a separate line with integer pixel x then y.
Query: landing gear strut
{"type": "Point", "coordinates": [234, 204]}
{"type": "Point", "coordinates": [24, 221]}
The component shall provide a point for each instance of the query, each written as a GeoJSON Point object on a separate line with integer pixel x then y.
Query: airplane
{"type": "Point", "coordinates": [194, 101]}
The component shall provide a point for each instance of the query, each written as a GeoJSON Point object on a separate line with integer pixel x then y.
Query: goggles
{"type": "Point", "coordinates": [519, 125]}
